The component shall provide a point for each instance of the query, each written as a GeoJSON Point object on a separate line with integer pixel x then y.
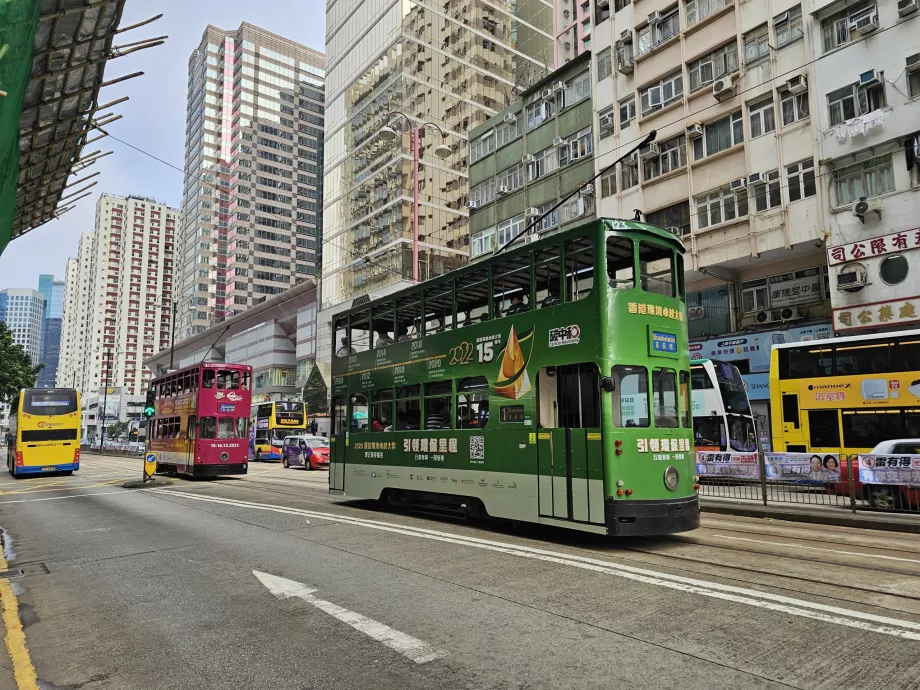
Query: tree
{"type": "Point", "coordinates": [16, 368]}
{"type": "Point", "coordinates": [315, 393]}
{"type": "Point", "coordinates": [116, 430]}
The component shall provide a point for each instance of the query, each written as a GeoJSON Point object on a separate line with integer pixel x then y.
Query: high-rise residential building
{"type": "Point", "coordinates": [126, 275]}
{"type": "Point", "coordinates": [53, 291]}
{"type": "Point", "coordinates": [453, 64]}
{"type": "Point", "coordinates": [253, 172]}
{"type": "Point", "coordinates": [73, 323]}
{"type": "Point", "coordinates": [23, 310]}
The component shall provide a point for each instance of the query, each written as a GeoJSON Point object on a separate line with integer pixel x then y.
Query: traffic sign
{"type": "Point", "coordinates": [150, 465]}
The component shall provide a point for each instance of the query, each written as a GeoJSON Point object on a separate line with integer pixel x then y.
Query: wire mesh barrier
{"type": "Point", "coordinates": [851, 482]}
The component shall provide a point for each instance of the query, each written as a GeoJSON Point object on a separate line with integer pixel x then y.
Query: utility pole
{"type": "Point", "coordinates": [172, 334]}
{"type": "Point", "coordinates": [105, 395]}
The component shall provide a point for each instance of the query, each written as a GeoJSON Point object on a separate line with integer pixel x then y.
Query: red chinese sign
{"type": "Point", "coordinates": [874, 246]}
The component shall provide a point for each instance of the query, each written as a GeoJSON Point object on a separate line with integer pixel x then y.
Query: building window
{"type": "Point", "coordinates": [627, 111]}
{"type": "Point", "coordinates": [629, 174]}
{"type": "Point", "coordinates": [793, 106]}
{"type": "Point", "coordinates": [605, 122]}
{"type": "Point", "coordinates": [577, 89]}
{"type": "Point", "coordinates": [719, 136]}
{"type": "Point", "coordinates": [672, 155]}
{"type": "Point", "coordinates": [719, 206]}
{"type": "Point", "coordinates": [846, 103]}
{"type": "Point", "coordinates": [644, 38]}
{"type": "Point", "coordinates": [509, 229]}
{"type": "Point", "coordinates": [756, 45]}
{"type": "Point", "coordinates": [676, 216]}
{"type": "Point", "coordinates": [763, 120]}
{"type": "Point", "coordinates": [767, 196]}
{"type": "Point", "coordinates": [893, 269]}
{"type": "Point", "coordinates": [788, 26]}
{"type": "Point", "coordinates": [483, 193]}
{"type": "Point", "coordinates": [507, 132]}
{"type": "Point", "coordinates": [913, 83]}
{"type": "Point", "coordinates": [537, 113]}
{"type": "Point", "coordinates": [710, 67]}
{"type": "Point", "coordinates": [609, 183]}
{"type": "Point", "coordinates": [754, 296]}
{"type": "Point", "coordinates": [482, 242]}
{"type": "Point", "coordinates": [604, 64]}
{"type": "Point", "coordinates": [836, 28]}
{"type": "Point", "coordinates": [512, 178]}
{"type": "Point", "coordinates": [576, 208]}
{"type": "Point", "coordinates": [698, 10]}
{"type": "Point", "coordinates": [868, 179]}
{"type": "Point", "coordinates": [661, 94]}
{"type": "Point", "coordinates": [545, 162]}
{"type": "Point", "coordinates": [800, 178]}
{"type": "Point", "coordinates": [668, 26]}
{"type": "Point", "coordinates": [580, 145]}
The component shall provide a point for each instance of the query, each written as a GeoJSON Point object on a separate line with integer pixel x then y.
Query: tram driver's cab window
{"type": "Point", "coordinates": [664, 398]}
{"type": "Point", "coordinates": [656, 269]}
{"type": "Point", "coordinates": [630, 396]}
{"type": "Point", "coordinates": [579, 268]}
{"type": "Point", "coordinates": [207, 427]}
{"type": "Point", "coordinates": [473, 297]}
{"type": "Point", "coordinates": [548, 277]}
{"type": "Point", "coordinates": [511, 285]}
{"type": "Point", "coordinates": [620, 263]}
{"type": "Point", "coordinates": [225, 427]}
{"type": "Point", "coordinates": [360, 332]}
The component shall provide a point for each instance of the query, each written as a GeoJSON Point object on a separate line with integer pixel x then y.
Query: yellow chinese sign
{"type": "Point", "coordinates": [655, 310]}
{"type": "Point", "coordinates": [880, 314]}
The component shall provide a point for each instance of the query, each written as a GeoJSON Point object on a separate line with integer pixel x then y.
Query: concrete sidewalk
{"type": "Point", "coordinates": [815, 514]}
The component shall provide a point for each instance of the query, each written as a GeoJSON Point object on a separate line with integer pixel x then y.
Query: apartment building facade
{"type": "Point", "coordinates": [73, 318]}
{"type": "Point", "coordinates": [23, 310]}
{"type": "Point", "coordinates": [253, 172]}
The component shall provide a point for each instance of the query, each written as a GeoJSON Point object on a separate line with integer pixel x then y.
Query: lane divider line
{"type": "Point", "coordinates": [766, 600]}
{"type": "Point", "coordinates": [15, 638]}
{"type": "Point", "coordinates": [817, 548]}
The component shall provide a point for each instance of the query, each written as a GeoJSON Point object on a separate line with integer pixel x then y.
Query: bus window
{"type": "Point", "coordinates": [360, 332]}
{"type": "Point", "coordinates": [685, 399]}
{"type": "Point", "coordinates": [824, 429]}
{"type": "Point", "coordinates": [383, 325]}
{"type": "Point", "coordinates": [791, 409]}
{"type": "Point", "coordinates": [242, 427]}
{"type": "Point", "coordinates": [664, 390]}
{"type": "Point", "coordinates": [472, 403]}
{"type": "Point", "coordinates": [438, 397]}
{"type": "Point", "coordinates": [339, 423]}
{"type": "Point", "coordinates": [192, 428]}
{"type": "Point", "coordinates": [708, 432]}
{"type": "Point", "coordinates": [864, 429]}
{"type": "Point", "coordinates": [863, 359]}
{"type": "Point", "coordinates": [439, 307]}
{"type": "Point", "coordinates": [342, 348]}
{"type": "Point", "coordinates": [909, 355]}
{"type": "Point", "coordinates": [473, 297]}
{"type": "Point", "coordinates": [358, 412]}
{"type": "Point", "coordinates": [743, 437]}
{"type": "Point", "coordinates": [806, 362]}
{"type": "Point", "coordinates": [656, 269]}
{"type": "Point", "coordinates": [408, 316]}
{"type": "Point", "coordinates": [579, 268]}
{"type": "Point", "coordinates": [382, 410]}
{"type": "Point", "coordinates": [630, 398]}
{"type": "Point", "coordinates": [548, 276]}
{"type": "Point", "coordinates": [912, 424]}
{"type": "Point", "coordinates": [207, 427]}
{"type": "Point", "coordinates": [207, 378]}
{"type": "Point", "coordinates": [511, 285]}
{"type": "Point", "coordinates": [408, 408]}
{"type": "Point", "coordinates": [225, 427]}
{"type": "Point", "coordinates": [620, 263]}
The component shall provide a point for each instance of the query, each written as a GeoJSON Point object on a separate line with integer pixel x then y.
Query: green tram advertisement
{"type": "Point", "coordinates": [549, 384]}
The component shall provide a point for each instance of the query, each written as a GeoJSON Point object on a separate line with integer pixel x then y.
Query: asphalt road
{"type": "Point", "coordinates": [267, 582]}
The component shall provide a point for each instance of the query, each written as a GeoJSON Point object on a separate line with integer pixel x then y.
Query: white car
{"type": "Point", "coordinates": [888, 497]}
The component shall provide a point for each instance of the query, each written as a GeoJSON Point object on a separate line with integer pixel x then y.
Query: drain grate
{"type": "Point", "coordinates": [28, 569]}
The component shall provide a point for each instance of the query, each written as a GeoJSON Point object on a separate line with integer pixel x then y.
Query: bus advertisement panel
{"type": "Point", "coordinates": [44, 433]}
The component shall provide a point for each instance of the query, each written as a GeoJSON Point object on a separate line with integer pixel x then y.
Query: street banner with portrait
{"type": "Point", "coordinates": [802, 468]}
{"type": "Point", "coordinates": [741, 465]}
{"type": "Point", "coordinates": [889, 469]}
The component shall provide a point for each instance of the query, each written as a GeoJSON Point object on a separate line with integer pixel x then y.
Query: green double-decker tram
{"type": "Point", "coordinates": [549, 384]}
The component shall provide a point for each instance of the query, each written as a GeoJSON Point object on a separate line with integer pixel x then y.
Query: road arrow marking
{"type": "Point", "coordinates": [410, 647]}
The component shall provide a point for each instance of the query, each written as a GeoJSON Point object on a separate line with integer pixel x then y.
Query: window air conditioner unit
{"type": "Point", "coordinates": [723, 88]}
{"type": "Point", "coordinates": [852, 277]}
{"type": "Point", "coordinates": [559, 142]}
{"type": "Point", "coordinates": [472, 204]}
{"type": "Point", "coordinates": [559, 86]}
{"type": "Point", "coordinates": [649, 152]}
{"type": "Point", "coordinates": [864, 25]}
{"type": "Point", "coordinates": [531, 237]}
{"type": "Point", "coordinates": [757, 178]}
{"type": "Point", "coordinates": [502, 190]}
{"type": "Point", "coordinates": [654, 17]}
{"type": "Point", "coordinates": [797, 85]}
{"type": "Point", "coordinates": [913, 62]}
{"type": "Point", "coordinates": [587, 190]}
{"type": "Point", "coordinates": [510, 117]}
{"type": "Point", "coordinates": [695, 131]}
{"type": "Point", "coordinates": [528, 158]}
{"type": "Point", "coordinates": [532, 212]}
{"type": "Point", "coordinates": [547, 94]}
{"type": "Point", "coordinates": [674, 230]}
{"type": "Point", "coordinates": [633, 160]}
{"type": "Point", "coordinates": [763, 317]}
{"type": "Point", "coordinates": [906, 7]}
{"type": "Point", "coordinates": [870, 78]}
{"type": "Point", "coordinates": [606, 122]}
{"type": "Point", "coordinates": [738, 186]}
{"type": "Point", "coordinates": [626, 65]}
{"type": "Point", "coordinates": [626, 36]}
{"type": "Point", "coordinates": [789, 314]}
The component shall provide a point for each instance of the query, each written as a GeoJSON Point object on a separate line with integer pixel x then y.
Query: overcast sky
{"type": "Point", "coordinates": [154, 118]}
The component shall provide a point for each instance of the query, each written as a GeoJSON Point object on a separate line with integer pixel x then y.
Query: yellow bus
{"type": "Point", "coordinates": [845, 395]}
{"type": "Point", "coordinates": [44, 433]}
{"type": "Point", "coordinates": [271, 423]}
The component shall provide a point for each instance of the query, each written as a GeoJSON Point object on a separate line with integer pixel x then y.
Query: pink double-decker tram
{"type": "Point", "coordinates": [201, 424]}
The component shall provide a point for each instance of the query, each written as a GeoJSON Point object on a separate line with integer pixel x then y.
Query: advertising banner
{"type": "Point", "coordinates": [742, 465]}
{"type": "Point", "coordinates": [886, 314]}
{"type": "Point", "coordinates": [889, 469]}
{"type": "Point", "coordinates": [805, 468]}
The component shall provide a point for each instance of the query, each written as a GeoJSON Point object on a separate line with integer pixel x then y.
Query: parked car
{"type": "Point", "coordinates": [881, 496]}
{"type": "Point", "coordinates": [309, 452]}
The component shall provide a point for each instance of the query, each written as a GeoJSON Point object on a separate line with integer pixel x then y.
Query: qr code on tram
{"type": "Point", "coordinates": [477, 447]}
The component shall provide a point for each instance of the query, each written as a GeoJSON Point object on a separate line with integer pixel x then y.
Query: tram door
{"type": "Point", "coordinates": [569, 446]}
{"type": "Point", "coordinates": [337, 444]}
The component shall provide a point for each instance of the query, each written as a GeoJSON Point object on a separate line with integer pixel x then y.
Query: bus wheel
{"type": "Point", "coordinates": [67, 473]}
{"type": "Point", "coordinates": [258, 456]}
{"type": "Point", "coordinates": [883, 497]}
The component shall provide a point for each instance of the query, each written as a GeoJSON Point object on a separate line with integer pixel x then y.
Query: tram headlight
{"type": "Point", "coordinates": [671, 478]}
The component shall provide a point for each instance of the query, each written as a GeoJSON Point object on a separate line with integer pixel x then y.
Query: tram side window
{"type": "Point", "coordinates": [685, 406]}
{"type": "Point", "coordinates": [207, 427]}
{"type": "Point", "coordinates": [863, 359]}
{"type": "Point", "coordinates": [548, 276]}
{"type": "Point", "coordinates": [656, 269]}
{"type": "Point", "coordinates": [664, 392]}
{"type": "Point", "coordinates": [438, 396]}
{"type": "Point", "coordinates": [383, 326]}
{"type": "Point", "coordinates": [439, 307]}
{"type": "Point", "coordinates": [408, 408]}
{"type": "Point", "coordinates": [382, 410]}
{"type": "Point", "coordinates": [681, 284]}
{"type": "Point", "coordinates": [207, 378]}
{"type": "Point", "coordinates": [472, 403]}
{"type": "Point", "coordinates": [360, 332]}
{"type": "Point", "coordinates": [359, 410]}
{"type": "Point", "coordinates": [473, 297]}
{"type": "Point", "coordinates": [806, 362]}
{"type": "Point", "coordinates": [409, 316]}
{"type": "Point", "coordinates": [579, 268]}
{"type": "Point", "coordinates": [630, 397]}
{"type": "Point", "coordinates": [342, 348]}
{"type": "Point", "coordinates": [339, 416]}
{"type": "Point", "coordinates": [511, 285]}
{"type": "Point", "coordinates": [242, 427]}
{"type": "Point", "coordinates": [620, 263]}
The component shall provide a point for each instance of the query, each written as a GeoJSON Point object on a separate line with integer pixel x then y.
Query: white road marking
{"type": "Point", "coordinates": [410, 647]}
{"type": "Point", "coordinates": [817, 548]}
{"type": "Point", "coordinates": [58, 498]}
{"type": "Point", "coordinates": [766, 600]}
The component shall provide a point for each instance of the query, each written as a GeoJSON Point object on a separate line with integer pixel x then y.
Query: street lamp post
{"type": "Point", "coordinates": [442, 151]}
{"type": "Point", "coordinates": [105, 395]}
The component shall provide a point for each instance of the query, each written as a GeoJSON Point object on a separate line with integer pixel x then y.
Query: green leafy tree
{"type": "Point", "coordinates": [117, 430]}
{"type": "Point", "coordinates": [315, 393]}
{"type": "Point", "coordinates": [16, 368]}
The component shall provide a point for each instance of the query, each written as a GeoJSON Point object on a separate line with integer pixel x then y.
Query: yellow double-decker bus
{"type": "Point", "coordinates": [44, 433]}
{"type": "Point", "coordinates": [845, 395]}
{"type": "Point", "coordinates": [271, 423]}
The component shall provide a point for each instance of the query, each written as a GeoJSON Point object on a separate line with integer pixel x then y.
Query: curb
{"type": "Point", "coordinates": [141, 484]}
{"type": "Point", "coordinates": [872, 521]}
